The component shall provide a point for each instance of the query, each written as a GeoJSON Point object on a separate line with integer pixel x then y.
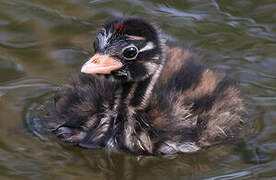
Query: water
{"type": "Point", "coordinates": [42, 43]}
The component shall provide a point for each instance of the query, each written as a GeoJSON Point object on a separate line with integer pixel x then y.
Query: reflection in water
{"type": "Point", "coordinates": [131, 167]}
{"type": "Point", "coordinates": [42, 43]}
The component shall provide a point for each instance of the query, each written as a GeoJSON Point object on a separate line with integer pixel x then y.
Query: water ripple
{"type": "Point", "coordinates": [44, 42]}
{"type": "Point", "coordinates": [178, 13]}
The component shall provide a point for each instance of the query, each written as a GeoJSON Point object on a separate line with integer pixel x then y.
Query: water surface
{"type": "Point", "coordinates": [42, 43]}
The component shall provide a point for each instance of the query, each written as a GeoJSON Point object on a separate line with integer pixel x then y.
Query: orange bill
{"type": "Point", "coordinates": [101, 64]}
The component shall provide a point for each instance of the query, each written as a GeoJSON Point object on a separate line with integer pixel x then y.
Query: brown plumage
{"type": "Point", "coordinates": [138, 95]}
{"type": "Point", "coordinates": [208, 105]}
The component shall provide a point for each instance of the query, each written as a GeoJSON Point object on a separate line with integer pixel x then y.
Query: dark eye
{"type": "Point", "coordinates": [130, 52]}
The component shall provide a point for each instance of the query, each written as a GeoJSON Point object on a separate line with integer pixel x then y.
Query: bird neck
{"type": "Point", "coordinates": [136, 95]}
{"type": "Point", "coordinates": [133, 97]}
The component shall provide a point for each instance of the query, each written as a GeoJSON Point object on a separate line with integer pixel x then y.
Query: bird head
{"type": "Point", "coordinates": [126, 49]}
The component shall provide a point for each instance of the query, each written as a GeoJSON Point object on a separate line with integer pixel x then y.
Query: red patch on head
{"type": "Point", "coordinates": [121, 28]}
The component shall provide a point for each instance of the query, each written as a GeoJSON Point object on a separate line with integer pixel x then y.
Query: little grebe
{"type": "Point", "coordinates": [137, 94]}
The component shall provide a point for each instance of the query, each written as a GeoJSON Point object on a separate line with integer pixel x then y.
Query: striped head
{"type": "Point", "coordinates": [127, 49]}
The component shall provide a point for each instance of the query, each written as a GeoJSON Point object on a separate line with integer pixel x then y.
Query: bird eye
{"type": "Point", "coordinates": [130, 52]}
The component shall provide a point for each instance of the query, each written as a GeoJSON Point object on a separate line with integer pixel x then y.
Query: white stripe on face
{"type": "Point", "coordinates": [147, 47]}
{"type": "Point", "coordinates": [151, 67]}
{"type": "Point", "coordinates": [138, 38]}
{"type": "Point", "coordinates": [104, 38]}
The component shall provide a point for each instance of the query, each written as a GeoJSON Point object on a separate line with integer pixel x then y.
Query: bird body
{"type": "Point", "coordinates": [138, 95]}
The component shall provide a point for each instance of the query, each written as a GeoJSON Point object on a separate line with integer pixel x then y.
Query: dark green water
{"type": "Point", "coordinates": [43, 42]}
